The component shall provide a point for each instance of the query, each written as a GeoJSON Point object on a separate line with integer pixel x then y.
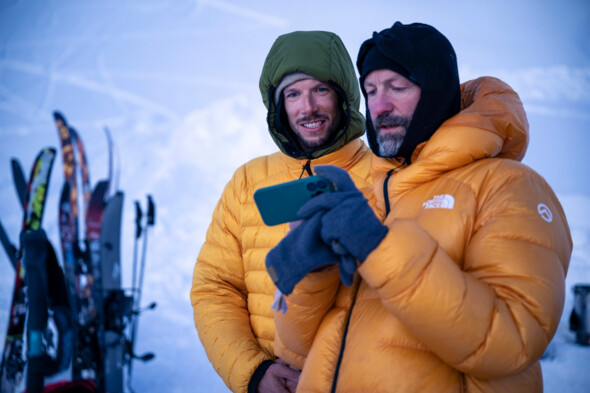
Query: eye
{"type": "Point", "coordinates": [291, 94]}
{"type": "Point", "coordinates": [323, 89]}
{"type": "Point", "coordinates": [371, 92]}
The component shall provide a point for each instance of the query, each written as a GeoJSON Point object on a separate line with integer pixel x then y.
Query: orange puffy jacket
{"type": "Point", "coordinates": [232, 292]}
{"type": "Point", "coordinates": [466, 290]}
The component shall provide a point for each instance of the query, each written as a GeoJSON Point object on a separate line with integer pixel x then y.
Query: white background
{"type": "Point", "coordinates": [177, 84]}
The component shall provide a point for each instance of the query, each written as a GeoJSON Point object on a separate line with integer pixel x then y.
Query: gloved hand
{"type": "Point", "coordinates": [299, 253]}
{"type": "Point", "coordinates": [347, 220]}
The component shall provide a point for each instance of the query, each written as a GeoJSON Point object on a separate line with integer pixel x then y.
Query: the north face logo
{"type": "Point", "coordinates": [444, 201]}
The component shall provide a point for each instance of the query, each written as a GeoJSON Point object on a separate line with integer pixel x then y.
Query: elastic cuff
{"type": "Point", "coordinates": [258, 374]}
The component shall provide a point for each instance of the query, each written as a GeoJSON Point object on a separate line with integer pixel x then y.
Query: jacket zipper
{"type": "Point", "coordinates": [306, 168]}
{"type": "Point", "coordinates": [385, 189]}
{"type": "Point", "coordinates": [386, 192]}
{"type": "Point", "coordinates": [341, 354]}
{"type": "Point", "coordinates": [462, 388]}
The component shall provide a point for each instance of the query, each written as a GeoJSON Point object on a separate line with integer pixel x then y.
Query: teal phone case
{"type": "Point", "coordinates": [280, 203]}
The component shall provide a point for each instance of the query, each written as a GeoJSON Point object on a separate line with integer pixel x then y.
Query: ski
{"type": "Point", "coordinates": [99, 341]}
{"type": "Point", "coordinates": [102, 310]}
{"type": "Point", "coordinates": [20, 184]}
{"type": "Point", "coordinates": [80, 157]}
{"type": "Point", "coordinates": [78, 269]}
{"type": "Point", "coordinates": [94, 219]}
{"type": "Point", "coordinates": [117, 305]}
{"type": "Point", "coordinates": [35, 259]}
{"type": "Point", "coordinates": [13, 360]}
{"type": "Point", "coordinates": [10, 249]}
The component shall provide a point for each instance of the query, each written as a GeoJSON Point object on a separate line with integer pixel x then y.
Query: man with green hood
{"type": "Point", "coordinates": [309, 86]}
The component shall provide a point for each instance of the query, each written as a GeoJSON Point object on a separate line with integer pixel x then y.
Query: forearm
{"type": "Point", "coordinates": [488, 324]}
{"type": "Point", "coordinates": [311, 299]}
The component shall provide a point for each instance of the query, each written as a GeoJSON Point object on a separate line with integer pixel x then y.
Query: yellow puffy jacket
{"type": "Point", "coordinates": [232, 292]}
{"type": "Point", "coordinates": [466, 290]}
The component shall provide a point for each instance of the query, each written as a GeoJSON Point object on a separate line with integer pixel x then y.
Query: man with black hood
{"type": "Point", "coordinates": [460, 253]}
{"type": "Point", "coordinates": [309, 86]}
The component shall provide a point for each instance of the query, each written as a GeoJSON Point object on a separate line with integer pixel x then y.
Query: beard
{"type": "Point", "coordinates": [390, 143]}
{"type": "Point", "coordinates": [308, 144]}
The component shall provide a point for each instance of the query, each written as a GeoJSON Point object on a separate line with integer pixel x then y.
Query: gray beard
{"type": "Point", "coordinates": [389, 144]}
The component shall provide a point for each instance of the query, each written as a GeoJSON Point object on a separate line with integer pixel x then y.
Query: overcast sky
{"type": "Point", "coordinates": [177, 84]}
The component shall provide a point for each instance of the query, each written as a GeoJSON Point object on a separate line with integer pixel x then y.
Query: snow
{"type": "Point", "coordinates": [177, 85]}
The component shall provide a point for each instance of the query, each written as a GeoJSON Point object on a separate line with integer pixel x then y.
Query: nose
{"type": "Point", "coordinates": [309, 104]}
{"type": "Point", "coordinates": [380, 104]}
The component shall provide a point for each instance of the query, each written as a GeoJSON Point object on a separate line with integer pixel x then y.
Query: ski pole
{"type": "Point", "coordinates": [138, 231]}
{"type": "Point", "coordinates": [150, 221]}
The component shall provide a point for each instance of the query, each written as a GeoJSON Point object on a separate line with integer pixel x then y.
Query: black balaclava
{"type": "Point", "coordinates": [422, 54]}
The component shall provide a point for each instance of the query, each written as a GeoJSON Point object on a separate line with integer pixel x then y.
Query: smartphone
{"type": "Point", "coordinates": [280, 203]}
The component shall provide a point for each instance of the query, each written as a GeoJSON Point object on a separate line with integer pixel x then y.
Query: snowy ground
{"type": "Point", "coordinates": [177, 84]}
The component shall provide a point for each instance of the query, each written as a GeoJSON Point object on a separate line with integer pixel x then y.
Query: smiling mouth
{"type": "Point", "coordinates": [313, 125]}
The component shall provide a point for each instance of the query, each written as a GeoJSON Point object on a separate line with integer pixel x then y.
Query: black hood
{"type": "Point", "coordinates": [425, 56]}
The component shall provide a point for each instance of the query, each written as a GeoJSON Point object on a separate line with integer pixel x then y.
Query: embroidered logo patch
{"type": "Point", "coordinates": [444, 201]}
{"type": "Point", "coordinates": [544, 212]}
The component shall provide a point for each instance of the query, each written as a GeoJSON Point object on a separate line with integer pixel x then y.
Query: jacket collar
{"type": "Point", "coordinates": [345, 158]}
{"type": "Point", "coordinates": [492, 123]}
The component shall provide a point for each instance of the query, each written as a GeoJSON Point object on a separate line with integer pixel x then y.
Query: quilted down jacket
{"type": "Point", "coordinates": [466, 290]}
{"type": "Point", "coordinates": [232, 293]}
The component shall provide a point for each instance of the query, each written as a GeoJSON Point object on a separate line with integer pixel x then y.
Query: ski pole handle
{"type": "Point", "coordinates": [138, 217]}
{"type": "Point", "coordinates": [151, 213]}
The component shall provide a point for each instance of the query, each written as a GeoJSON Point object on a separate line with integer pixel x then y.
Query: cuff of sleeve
{"type": "Point", "coordinates": [258, 374]}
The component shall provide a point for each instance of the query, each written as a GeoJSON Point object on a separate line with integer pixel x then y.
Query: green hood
{"type": "Point", "coordinates": [323, 56]}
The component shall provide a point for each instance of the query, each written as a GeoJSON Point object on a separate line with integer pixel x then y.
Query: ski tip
{"type": "Point", "coordinates": [58, 116]}
{"type": "Point", "coordinates": [47, 150]}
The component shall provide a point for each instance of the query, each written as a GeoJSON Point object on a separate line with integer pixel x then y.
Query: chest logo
{"type": "Point", "coordinates": [444, 201]}
{"type": "Point", "coordinates": [544, 212]}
